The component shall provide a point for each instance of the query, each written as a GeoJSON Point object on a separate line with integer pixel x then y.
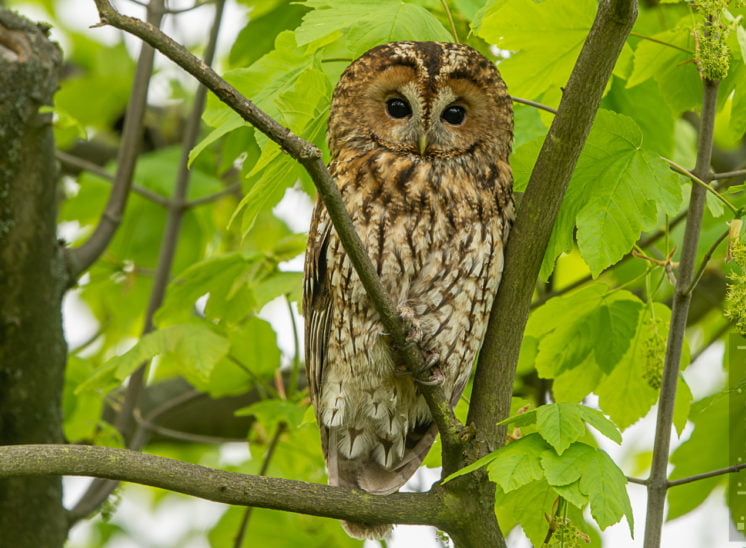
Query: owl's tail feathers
{"type": "Point", "coordinates": [369, 475]}
{"type": "Point", "coordinates": [365, 531]}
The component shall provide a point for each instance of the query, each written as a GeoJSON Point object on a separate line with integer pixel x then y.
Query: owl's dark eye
{"type": "Point", "coordinates": [398, 108]}
{"type": "Point", "coordinates": [454, 115]}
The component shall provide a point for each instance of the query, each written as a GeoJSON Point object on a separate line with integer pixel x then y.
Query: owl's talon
{"type": "Point", "coordinates": [436, 377]}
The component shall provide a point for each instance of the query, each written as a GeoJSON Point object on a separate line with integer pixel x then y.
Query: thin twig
{"type": "Point", "coordinates": [126, 418]}
{"type": "Point", "coordinates": [230, 189]}
{"type": "Point", "coordinates": [90, 167]}
{"type": "Point", "coordinates": [705, 260]}
{"type": "Point", "coordinates": [700, 181]}
{"type": "Point", "coordinates": [174, 11]}
{"type": "Point", "coordinates": [648, 241]}
{"type": "Point", "coordinates": [533, 104]}
{"type": "Point", "coordinates": [729, 470]}
{"type": "Point", "coordinates": [238, 542]}
{"type": "Point", "coordinates": [661, 42]}
{"type": "Point", "coordinates": [147, 424]}
{"type": "Point", "coordinates": [729, 174]}
{"type": "Point", "coordinates": [638, 481]}
{"type": "Point", "coordinates": [73, 161]}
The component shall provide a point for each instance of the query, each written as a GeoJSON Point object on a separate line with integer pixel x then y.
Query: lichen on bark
{"type": "Point", "coordinates": [32, 347]}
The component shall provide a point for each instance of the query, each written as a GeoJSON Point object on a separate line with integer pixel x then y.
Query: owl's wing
{"type": "Point", "coordinates": [317, 305]}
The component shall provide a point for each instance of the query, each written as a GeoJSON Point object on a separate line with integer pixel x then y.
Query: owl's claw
{"type": "Point", "coordinates": [436, 376]}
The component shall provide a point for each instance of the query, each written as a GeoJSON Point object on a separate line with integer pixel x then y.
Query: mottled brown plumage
{"type": "Point", "coordinates": [420, 134]}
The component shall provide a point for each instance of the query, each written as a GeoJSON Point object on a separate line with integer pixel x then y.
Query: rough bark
{"type": "Point", "coordinates": [32, 347]}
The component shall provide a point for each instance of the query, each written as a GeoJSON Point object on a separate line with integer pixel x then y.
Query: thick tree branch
{"type": "Point", "coordinates": [309, 157]}
{"type": "Point", "coordinates": [495, 374]}
{"type": "Point", "coordinates": [219, 486]}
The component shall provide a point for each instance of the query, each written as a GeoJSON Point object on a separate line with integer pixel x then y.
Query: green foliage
{"type": "Point", "coordinates": [619, 188]}
{"type": "Point", "coordinates": [556, 461]}
{"type": "Point", "coordinates": [545, 36]}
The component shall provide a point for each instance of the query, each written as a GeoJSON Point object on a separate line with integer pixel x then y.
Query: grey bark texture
{"type": "Point", "coordinates": [32, 346]}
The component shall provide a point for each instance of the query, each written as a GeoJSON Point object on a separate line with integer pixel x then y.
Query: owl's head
{"type": "Point", "coordinates": [429, 99]}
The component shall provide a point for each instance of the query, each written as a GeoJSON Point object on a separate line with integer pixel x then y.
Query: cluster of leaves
{"type": "Point", "coordinates": [606, 337]}
{"type": "Point", "coordinates": [556, 457]}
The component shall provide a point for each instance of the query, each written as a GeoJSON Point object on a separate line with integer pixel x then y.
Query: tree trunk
{"type": "Point", "coordinates": [32, 346]}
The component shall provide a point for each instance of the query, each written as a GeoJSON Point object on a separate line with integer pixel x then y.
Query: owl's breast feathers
{"type": "Point", "coordinates": [434, 229]}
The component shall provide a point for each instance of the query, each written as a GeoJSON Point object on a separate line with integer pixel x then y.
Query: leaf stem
{"type": "Point", "coordinates": [450, 20]}
{"type": "Point", "coordinates": [661, 42]}
{"type": "Point", "coordinates": [683, 171]}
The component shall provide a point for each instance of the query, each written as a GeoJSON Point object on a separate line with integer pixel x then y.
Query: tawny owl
{"type": "Point", "coordinates": [419, 134]}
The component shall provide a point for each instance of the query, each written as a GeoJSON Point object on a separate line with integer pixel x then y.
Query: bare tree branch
{"type": "Point", "coordinates": [79, 163]}
{"type": "Point", "coordinates": [220, 486]}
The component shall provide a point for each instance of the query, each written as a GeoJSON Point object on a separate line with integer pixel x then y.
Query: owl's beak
{"type": "Point", "coordinates": [422, 142]}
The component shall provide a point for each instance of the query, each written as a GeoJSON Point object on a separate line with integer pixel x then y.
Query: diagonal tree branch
{"type": "Point", "coordinates": [220, 486]}
{"type": "Point", "coordinates": [309, 157]}
{"type": "Point", "coordinates": [493, 383]}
